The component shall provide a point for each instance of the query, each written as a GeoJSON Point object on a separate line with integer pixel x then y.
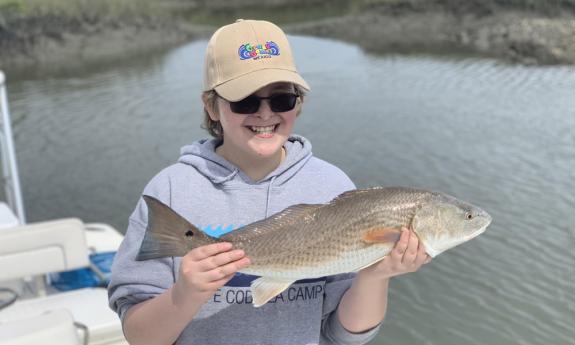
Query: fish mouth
{"type": "Point", "coordinates": [476, 233]}
{"type": "Point", "coordinates": [434, 252]}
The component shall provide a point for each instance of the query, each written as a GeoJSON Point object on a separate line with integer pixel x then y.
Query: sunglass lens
{"type": "Point", "coordinates": [278, 103]}
{"type": "Point", "coordinates": [248, 105]}
{"type": "Point", "coordinates": [283, 102]}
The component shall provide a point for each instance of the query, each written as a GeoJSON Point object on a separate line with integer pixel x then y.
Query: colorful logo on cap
{"type": "Point", "coordinates": [258, 51]}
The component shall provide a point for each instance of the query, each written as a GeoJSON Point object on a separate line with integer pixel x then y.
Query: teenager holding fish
{"type": "Point", "coordinates": [253, 168]}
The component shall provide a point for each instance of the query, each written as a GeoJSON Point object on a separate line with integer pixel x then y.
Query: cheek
{"type": "Point", "coordinates": [231, 124]}
{"type": "Point", "coordinates": [289, 119]}
{"type": "Point", "coordinates": [229, 120]}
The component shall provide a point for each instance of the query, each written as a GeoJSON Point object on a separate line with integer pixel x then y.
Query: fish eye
{"type": "Point", "coordinates": [469, 216]}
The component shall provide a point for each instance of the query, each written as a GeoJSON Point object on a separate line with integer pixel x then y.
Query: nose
{"type": "Point", "coordinates": [264, 112]}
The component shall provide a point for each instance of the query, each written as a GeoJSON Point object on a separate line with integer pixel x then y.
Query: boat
{"type": "Point", "coordinates": [52, 273]}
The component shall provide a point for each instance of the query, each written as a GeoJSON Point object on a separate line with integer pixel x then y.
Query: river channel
{"type": "Point", "coordinates": [500, 136]}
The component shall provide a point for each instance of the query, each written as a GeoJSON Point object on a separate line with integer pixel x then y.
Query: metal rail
{"type": "Point", "coordinates": [10, 175]}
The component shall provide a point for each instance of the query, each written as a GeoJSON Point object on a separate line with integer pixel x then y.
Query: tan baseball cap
{"type": "Point", "coordinates": [247, 55]}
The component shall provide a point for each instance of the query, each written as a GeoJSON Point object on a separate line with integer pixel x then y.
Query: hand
{"type": "Point", "coordinates": [207, 268]}
{"type": "Point", "coordinates": [408, 255]}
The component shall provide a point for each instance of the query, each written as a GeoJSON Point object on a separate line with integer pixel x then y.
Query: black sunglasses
{"type": "Point", "coordinates": [279, 103]}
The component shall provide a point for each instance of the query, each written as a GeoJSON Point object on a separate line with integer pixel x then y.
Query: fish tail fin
{"type": "Point", "coordinates": [168, 233]}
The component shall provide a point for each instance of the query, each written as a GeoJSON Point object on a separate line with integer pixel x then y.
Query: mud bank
{"type": "Point", "coordinates": [51, 42]}
{"type": "Point", "coordinates": [433, 26]}
{"type": "Point", "coordinates": [514, 36]}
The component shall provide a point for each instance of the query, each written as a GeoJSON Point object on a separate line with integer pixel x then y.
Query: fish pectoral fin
{"type": "Point", "coordinates": [265, 288]}
{"type": "Point", "coordinates": [381, 235]}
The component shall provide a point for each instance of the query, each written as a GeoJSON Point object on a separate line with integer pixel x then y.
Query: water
{"type": "Point", "coordinates": [500, 136]}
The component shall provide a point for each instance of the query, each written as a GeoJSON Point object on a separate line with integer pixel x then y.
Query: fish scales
{"type": "Point", "coordinates": [290, 252]}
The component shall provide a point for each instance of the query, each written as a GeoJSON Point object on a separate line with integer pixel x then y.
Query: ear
{"type": "Point", "coordinates": [299, 106]}
{"type": "Point", "coordinates": [210, 105]}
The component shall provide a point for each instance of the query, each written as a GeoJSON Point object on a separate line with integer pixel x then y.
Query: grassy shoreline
{"type": "Point", "coordinates": [64, 32]}
{"type": "Point", "coordinates": [73, 32]}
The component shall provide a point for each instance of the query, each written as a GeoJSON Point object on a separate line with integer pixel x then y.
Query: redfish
{"type": "Point", "coordinates": [356, 229]}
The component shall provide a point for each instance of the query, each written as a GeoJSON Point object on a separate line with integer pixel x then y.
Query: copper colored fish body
{"type": "Point", "coordinates": [353, 231]}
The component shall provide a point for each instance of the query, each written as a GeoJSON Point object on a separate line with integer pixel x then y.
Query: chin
{"type": "Point", "coordinates": [267, 150]}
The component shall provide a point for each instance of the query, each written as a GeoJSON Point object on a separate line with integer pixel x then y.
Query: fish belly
{"type": "Point", "coordinates": [351, 261]}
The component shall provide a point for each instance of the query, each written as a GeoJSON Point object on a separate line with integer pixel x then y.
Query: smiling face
{"type": "Point", "coordinates": [256, 136]}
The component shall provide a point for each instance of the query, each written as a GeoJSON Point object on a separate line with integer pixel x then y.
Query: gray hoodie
{"type": "Point", "coordinates": [216, 196]}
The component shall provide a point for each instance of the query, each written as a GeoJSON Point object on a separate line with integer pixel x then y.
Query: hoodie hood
{"type": "Point", "coordinates": [202, 155]}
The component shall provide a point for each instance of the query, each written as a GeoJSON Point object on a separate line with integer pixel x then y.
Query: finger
{"type": "Point", "coordinates": [421, 255]}
{"type": "Point", "coordinates": [220, 259]}
{"type": "Point", "coordinates": [400, 246]}
{"type": "Point", "coordinates": [411, 250]}
{"type": "Point", "coordinates": [206, 251]}
{"type": "Point", "coordinates": [222, 271]}
{"type": "Point", "coordinates": [427, 260]}
{"type": "Point", "coordinates": [216, 284]}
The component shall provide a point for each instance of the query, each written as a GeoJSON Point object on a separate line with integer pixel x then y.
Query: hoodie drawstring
{"type": "Point", "coordinates": [269, 195]}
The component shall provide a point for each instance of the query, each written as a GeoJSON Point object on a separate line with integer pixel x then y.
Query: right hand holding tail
{"type": "Point", "coordinates": [207, 268]}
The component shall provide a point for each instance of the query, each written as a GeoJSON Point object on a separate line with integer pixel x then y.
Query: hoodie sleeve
{"type": "Point", "coordinates": [332, 331]}
{"type": "Point", "coordinates": [134, 281]}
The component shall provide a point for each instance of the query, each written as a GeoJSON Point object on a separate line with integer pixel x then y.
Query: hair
{"type": "Point", "coordinates": [214, 128]}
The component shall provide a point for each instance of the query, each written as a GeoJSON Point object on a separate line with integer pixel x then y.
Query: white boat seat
{"type": "Point", "coordinates": [56, 325]}
{"type": "Point", "coordinates": [44, 247]}
{"type": "Point", "coordinates": [88, 307]}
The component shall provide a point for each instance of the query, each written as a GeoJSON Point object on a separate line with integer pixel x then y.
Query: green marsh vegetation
{"type": "Point", "coordinates": [35, 29]}
{"type": "Point", "coordinates": [131, 10]}
{"type": "Point", "coordinates": [26, 25]}
{"type": "Point", "coordinates": [540, 6]}
{"type": "Point", "coordinates": [21, 19]}
{"type": "Point", "coordinates": [76, 9]}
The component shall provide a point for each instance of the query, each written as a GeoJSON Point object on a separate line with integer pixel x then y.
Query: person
{"type": "Point", "coordinates": [252, 168]}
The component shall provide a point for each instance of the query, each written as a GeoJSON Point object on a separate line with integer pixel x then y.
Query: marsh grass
{"type": "Point", "coordinates": [26, 24]}
{"type": "Point", "coordinates": [132, 9]}
{"type": "Point", "coordinates": [78, 9]}
{"type": "Point", "coordinates": [541, 6]}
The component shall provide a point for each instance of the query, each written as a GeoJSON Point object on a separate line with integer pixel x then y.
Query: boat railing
{"type": "Point", "coordinates": [10, 176]}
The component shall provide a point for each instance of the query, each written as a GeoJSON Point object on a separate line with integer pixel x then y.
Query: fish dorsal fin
{"type": "Point", "coordinates": [265, 288]}
{"type": "Point", "coordinates": [381, 235]}
{"type": "Point", "coordinates": [354, 193]}
{"type": "Point", "coordinates": [290, 215]}
{"type": "Point", "coordinates": [295, 211]}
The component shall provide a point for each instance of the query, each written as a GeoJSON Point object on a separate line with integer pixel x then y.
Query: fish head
{"type": "Point", "coordinates": [443, 222]}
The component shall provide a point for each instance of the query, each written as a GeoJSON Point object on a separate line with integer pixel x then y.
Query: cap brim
{"type": "Point", "coordinates": [243, 86]}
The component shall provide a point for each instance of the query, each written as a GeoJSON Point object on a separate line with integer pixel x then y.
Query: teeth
{"type": "Point", "coordinates": [267, 129]}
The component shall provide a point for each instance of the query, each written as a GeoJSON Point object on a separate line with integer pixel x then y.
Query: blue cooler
{"type": "Point", "coordinates": [97, 275]}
